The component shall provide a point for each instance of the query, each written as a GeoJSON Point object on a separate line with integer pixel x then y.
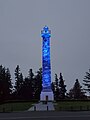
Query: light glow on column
{"type": "Point", "coordinates": [46, 66]}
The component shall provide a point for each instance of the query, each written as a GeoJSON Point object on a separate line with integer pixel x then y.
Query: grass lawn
{"type": "Point", "coordinates": [18, 106]}
{"type": "Point", "coordinates": [59, 106]}
{"type": "Point", "coordinates": [72, 105]}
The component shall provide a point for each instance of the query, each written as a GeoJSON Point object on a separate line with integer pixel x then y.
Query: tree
{"type": "Point", "coordinates": [18, 81]}
{"type": "Point", "coordinates": [5, 83]}
{"type": "Point", "coordinates": [71, 94]}
{"type": "Point", "coordinates": [8, 82]}
{"type": "Point", "coordinates": [25, 90]}
{"type": "Point", "coordinates": [53, 87]}
{"type": "Point", "coordinates": [30, 74]}
{"type": "Point", "coordinates": [76, 92]}
{"type": "Point", "coordinates": [56, 85]}
{"type": "Point", "coordinates": [62, 87]}
{"type": "Point", "coordinates": [27, 93]}
{"type": "Point", "coordinates": [31, 82]}
{"type": "Point", "coordinates": [37, 84]}
{"type": "Point", "coordinates": [87, 81]}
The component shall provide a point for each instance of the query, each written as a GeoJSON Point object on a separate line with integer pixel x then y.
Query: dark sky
{"type": "Point", "coordinates": [21, 22]}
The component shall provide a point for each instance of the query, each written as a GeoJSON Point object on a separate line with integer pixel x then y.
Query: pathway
{"type": "Point", "coordinates": [42, 107]}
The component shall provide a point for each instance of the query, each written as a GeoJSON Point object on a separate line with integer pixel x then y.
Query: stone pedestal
{"type": "Point", "coordinates": [46, 96]}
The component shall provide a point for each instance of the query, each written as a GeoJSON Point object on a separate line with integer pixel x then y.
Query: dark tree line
{"type": "Point", "coordinates": [86, 81]}
{"type": "Point", "coordinates": [29, 88]}
{"type": "Point", "coordinates": [5, 83]}
{"type": "Point", "coordinates": [76, 92]}
{"type": "Point", "coordinates": [60, 92]}
{"type": "Point", "coordinates": [59, 88]}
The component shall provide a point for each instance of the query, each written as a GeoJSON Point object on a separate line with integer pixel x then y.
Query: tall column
{"type": "Point", "coordinates": [46, 93]}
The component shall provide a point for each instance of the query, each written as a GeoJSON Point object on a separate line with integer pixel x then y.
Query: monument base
{"type": "Point", "coordinates": [46, 96]}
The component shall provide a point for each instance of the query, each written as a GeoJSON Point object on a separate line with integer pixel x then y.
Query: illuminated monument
{"type": "Point", "coordinates": [46, 93]}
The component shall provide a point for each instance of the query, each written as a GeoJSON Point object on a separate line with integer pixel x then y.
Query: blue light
{"type": "Point", "coordinates": [46, 67]}
{"type": "Point", "coordinates": [46, 33]}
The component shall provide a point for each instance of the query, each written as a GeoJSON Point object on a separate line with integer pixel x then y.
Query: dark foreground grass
{"type": "Point", "coordinates": [73, 106]}
{"type": "Point", "coordinates": [18, 106]}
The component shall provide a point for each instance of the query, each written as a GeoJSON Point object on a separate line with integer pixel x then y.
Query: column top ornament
{"type": "Point", "coordinates": [46, 33]}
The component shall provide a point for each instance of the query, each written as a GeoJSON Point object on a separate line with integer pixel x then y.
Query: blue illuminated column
{"type": "Point", "coordinates": [46, 66]}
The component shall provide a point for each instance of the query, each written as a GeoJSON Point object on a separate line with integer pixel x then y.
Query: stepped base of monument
{"type": "Point", "coordinates": [47, 96]}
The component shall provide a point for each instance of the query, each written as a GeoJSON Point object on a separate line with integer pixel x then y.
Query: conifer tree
{"type": "Point", "coordinates": [38, 84]}
{"type": "Point", "coordinates": [27, 89]}
{"type": "Point", "coordinates": [62, 87]}
{"type": "Point", "coordinates": [5, 83]}
{"type": "Point", "coordinates": [86, 81]}
{"type": "Point", "coordinates": [76, 92]}
{"type": "Point", "coordinates": [56, 93]}
{"type": "Point", "coordinates": [18, 81]}
{"type": "Point", "coordinates": [30, 74]}
{"type": "Point", "coordinates": [8, 82]}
